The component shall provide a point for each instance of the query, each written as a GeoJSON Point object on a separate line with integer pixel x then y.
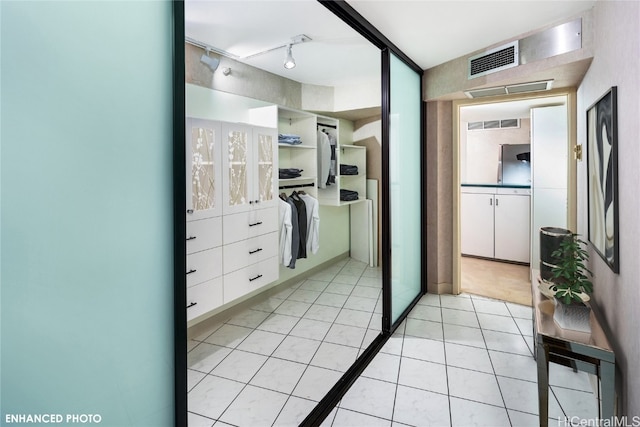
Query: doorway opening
{"type": "Point", "coordinates": [500, 206]}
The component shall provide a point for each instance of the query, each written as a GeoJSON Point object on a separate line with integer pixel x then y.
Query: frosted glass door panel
{"type": "Point", "coordinates": [87, 261]}
{"type": "Point", "coordinates": [204, 182]}
{"type": "Point", "coordinates": [265, 143]}
{"type": "Point", "coordinates": [237, 177]}
{"type": "Point", "coordinates": [405, 187]}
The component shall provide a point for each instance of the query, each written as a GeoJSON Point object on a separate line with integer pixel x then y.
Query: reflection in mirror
{"type": "Point", "coordinates": [284, 293]}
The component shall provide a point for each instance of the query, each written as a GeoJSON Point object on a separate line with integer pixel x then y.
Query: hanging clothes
{"type": "Point", "coordinates": [324, 159]}
{"type": "Point", "coordinates": [286, 232]}
{"type": "Point", "coordinates": [333, 167]}
{"type": "Point", "coordinates": [295, 233]}
{"type": "Point", "coordinates": [313, 223]}
{"type": "Point", "coordinates": [301, 208]}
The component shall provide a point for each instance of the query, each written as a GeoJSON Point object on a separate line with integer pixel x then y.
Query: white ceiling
{"type": "Point", "coordinates": [430, 32]}
{"type": "Point", "coordinates": [506, 110]}
{"type": "Point", "coordinates": [433, 32]}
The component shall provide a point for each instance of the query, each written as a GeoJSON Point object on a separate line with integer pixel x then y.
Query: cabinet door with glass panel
{"type": "Point", "coordinates": [204, 168]}
{"type": "Point", "coordinates": [249, 163]}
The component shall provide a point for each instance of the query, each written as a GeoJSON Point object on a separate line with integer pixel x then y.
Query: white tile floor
{"type": "Point", "coordinates": [461, 361]}
{"type": "Point", "coordinates": [272, 363]}
{"type": "Point", "coordinates": [456, 361]}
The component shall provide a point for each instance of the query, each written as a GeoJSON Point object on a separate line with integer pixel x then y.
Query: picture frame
{"type": "Point", "coordinates": [602, 177]}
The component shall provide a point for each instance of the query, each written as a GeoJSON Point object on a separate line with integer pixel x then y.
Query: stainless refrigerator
{"type": "Point", "coordinates": [514, 165]}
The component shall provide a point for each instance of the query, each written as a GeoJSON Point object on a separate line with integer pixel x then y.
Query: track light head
{"type": "Point", "coordinates": [289, 62]}
{"type": "Point", "coordinates": [209, 61]}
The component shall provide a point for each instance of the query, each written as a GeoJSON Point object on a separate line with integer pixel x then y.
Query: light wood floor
{"type": "Point", "coordinates": [499, 280]}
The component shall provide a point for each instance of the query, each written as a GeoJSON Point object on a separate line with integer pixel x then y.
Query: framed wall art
{"type": "Point", "coordinates": [602, 176]}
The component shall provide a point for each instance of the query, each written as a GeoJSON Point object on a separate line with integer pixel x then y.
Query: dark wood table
{"type": "Point", "coordinates": [589, 352]}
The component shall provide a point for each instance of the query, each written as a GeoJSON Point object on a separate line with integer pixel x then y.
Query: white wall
{"type": "Point", "coordinates": [480, 151]}
{"type": "Point", "coordinates": [616, 63]}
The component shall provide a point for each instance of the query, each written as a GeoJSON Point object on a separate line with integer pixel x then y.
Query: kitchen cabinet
{"type": "Point", "coordinates": [495, 223]}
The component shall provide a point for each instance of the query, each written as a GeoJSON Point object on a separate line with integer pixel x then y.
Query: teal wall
{"type": "Point", "coordinates": [86, 210]}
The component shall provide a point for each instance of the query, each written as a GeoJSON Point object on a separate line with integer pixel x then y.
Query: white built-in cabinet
{"type": "Point", "coordinates": [495, 223]}
{"type": "Point", "coordinates": [204, 216]}
{"type": "Point", "coordinates": [232, 217]}
{"type": "Point", "coordinates": [249, 162]}
{"type": "Point", "coordinates": [549, 172]}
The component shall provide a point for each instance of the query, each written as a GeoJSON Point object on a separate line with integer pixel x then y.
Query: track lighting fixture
{"type": "Point", "coordinates": [289, 62]}
{"type": "Point", "coordinates": [209, 61]}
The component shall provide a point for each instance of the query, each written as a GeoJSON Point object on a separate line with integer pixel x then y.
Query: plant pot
{"type": "Point", "coordinates": [574, 316]}
{"type": "Point", "coordinates": [550, 240]}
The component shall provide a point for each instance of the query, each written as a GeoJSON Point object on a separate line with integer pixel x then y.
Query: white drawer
{"type": "Point", "coordinates": [246, 252]}
{"type": "Point", "coordinates": [204, 234]}
{"type": "Point", "coordinates": [204, 297]}
{"type": "Point", "coordinates": [245, 225]}
{"type": "Point", "coordinates": [203, 266]}
{"type": "Point", "coordinates": [512, 190]}
{"type": "Point", "coordinates": [250, 278]}
{"type": "Point", "coordinates": [478, 190]}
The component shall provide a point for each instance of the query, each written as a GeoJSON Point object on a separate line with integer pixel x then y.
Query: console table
{"type": "Point", "coordinates": [589, 352]}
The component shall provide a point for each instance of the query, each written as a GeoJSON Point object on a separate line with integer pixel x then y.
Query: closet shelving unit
{"type": "Point", "coordinates": [352, 155]}
{"type": "Point", "coordinates": [302, 156]}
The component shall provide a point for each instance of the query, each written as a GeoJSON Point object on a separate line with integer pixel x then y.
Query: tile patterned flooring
{"type": "Point", "coordinates": [455, 361]}
{"type": "Point", "coordinates": [272, 363]}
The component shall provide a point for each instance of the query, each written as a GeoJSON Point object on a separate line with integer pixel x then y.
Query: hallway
{"type": "Point", "coordinates": [461, 361]}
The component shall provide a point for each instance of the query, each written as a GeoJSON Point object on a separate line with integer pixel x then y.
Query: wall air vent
{"type": "Point", "coordinates": [494, 124]}
{"type": "Point", "coordinates": [510, 89]}
{"type": "Point", "coordinates": [491, 61]}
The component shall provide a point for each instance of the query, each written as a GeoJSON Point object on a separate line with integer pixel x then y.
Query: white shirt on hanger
{"type": "Point", "coordinates": [286, 230]}
{"type": "Point", "coordinates": [313, 222]}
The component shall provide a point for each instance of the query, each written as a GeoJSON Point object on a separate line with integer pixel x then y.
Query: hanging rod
{"type": "Point", "coordinates": [327, 126]}
{"type": "Point", "coordinates": [284, 187]}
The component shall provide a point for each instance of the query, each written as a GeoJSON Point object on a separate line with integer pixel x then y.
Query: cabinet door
{"type": "Point", "coordinates": [476, 224]}
{"type": "Point", "coordinates": [204, 168]}
{"type": "Point", "coordinates": [265, 144]}
{"type": "Point", "coordinates": [512, 227]}
{"type": "Point", "coordinates": [237, 157]}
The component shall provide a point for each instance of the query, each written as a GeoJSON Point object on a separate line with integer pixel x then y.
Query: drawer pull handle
{"type": "Point", "coordinates": [253, 252]}
{"type": "Point", "coordinates": [192, 304]}
{"type": "Point", "coordinates": [189, 211]}
{"type": "Point", "coordinates": [191, 238]}
{"type": "Point", "coordinates": [193, 270]}
{"type": "Point", "coordinates": [255, 278]}
{"type": "Point", "coordinates": [255, 223]}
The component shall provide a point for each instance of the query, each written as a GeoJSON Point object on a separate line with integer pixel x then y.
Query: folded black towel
{"type": "Point", "coordinates": [348, 169]}
{"type": "Point", "coordinates": [289, 173]}
{"type": "Point", "coordinates": [348, 195]}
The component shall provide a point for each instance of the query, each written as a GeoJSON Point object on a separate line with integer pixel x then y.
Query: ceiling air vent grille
{"type": "Point", "coordinates": [500, 58]}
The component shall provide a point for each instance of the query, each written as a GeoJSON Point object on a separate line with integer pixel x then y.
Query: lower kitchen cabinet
{"type": "Point", "coordinates": [512, 227]}
{"type": "Point", "coordinates": [494, 224]}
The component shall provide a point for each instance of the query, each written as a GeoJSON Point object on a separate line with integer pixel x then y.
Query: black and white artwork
{"type": "Point", "coordinates": [602, 175]}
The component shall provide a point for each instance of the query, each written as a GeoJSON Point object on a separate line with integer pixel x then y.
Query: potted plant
{"type": "Point", "coordinates": [571, 285]}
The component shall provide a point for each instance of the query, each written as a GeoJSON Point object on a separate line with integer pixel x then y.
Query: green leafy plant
{"type": "Point", "coordinates": [570, 280]}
